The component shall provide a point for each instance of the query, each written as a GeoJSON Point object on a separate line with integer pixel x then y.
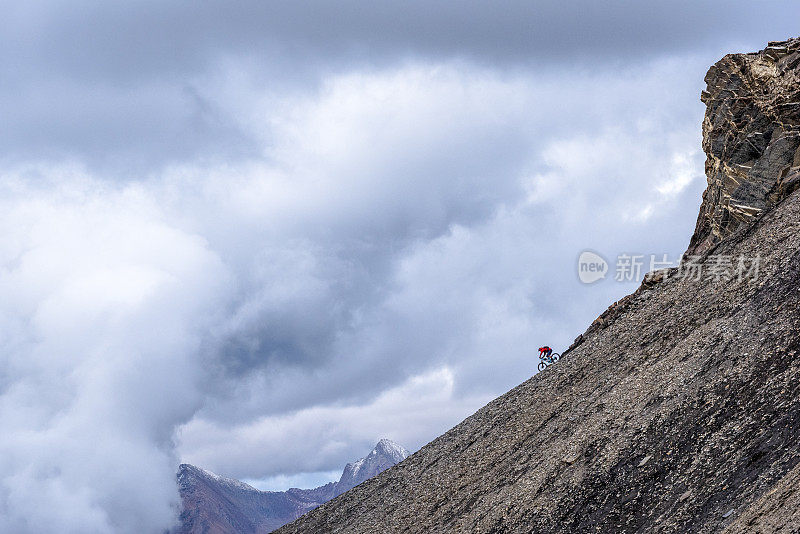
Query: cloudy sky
{"type": "Point", "coordinates": [259, 236]}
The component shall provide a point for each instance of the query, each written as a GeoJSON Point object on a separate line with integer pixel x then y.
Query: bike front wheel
{"type": "Point", "coordinates": [542, 366]}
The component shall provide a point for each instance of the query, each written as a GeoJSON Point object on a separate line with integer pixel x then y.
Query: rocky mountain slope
{"type": "Point", "coordinates": [678, 410]}
{"type": "Point", "coordinates": [218, 505]}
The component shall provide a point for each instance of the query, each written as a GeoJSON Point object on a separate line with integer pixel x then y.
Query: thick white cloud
{"type": "Point", "coordinates": [391, 259]}
{"type": "Point", "coordinates": [103, 311]}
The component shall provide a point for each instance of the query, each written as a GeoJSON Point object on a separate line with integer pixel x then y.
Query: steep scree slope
{"type": "Point", "coordinates": [678, 412]}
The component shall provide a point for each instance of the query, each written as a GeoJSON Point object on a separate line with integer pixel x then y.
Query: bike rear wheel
{"type": "Point", "coordinates": [555, 356]}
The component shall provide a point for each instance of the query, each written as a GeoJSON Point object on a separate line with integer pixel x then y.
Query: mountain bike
{"type": "Point", "coordinates": [548, 360]}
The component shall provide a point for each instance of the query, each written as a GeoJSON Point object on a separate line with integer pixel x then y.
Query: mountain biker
{"type": "Point", "coordinates": [545, 352]}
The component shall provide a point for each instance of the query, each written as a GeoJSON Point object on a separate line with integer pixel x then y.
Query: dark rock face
{"type": "Point", "coordinates": [218, 505]}
{"type": "Point", "coordinates": [751, 136]}
{"type": "Point", "coordinates": [778, 510]}
{"type": "Point", "coordinates": [679, 411]}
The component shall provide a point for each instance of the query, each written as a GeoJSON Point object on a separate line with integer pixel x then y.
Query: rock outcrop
{"type": "Point", "coordinates": [212, 504]}
{"type": "Point", "coordinates": [751, 137]}
{"type": "Point", "coordinates": [680, 410]}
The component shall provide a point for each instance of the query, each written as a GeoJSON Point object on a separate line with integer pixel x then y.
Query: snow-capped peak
{"type": "Point", "coordinates": [385, 454]}
{"type": "Point", "coordinates": [391, 449]}
{"type": "Point", "coordinates": [232, 483]}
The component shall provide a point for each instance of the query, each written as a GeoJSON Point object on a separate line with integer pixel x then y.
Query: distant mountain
{"type": "Point", "coordinates": [217, 505]}
{"type": "Point", "coordinates": [385, 454]}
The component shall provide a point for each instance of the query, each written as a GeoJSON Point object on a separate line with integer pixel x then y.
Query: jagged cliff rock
{"type": "Point", "coordinates": [212, 504]}
{"type": "Point", "coordinates": [678, 412]}
{"type": "Point", "coordinates": [751, 137]}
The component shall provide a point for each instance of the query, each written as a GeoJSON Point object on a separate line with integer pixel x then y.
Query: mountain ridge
{"type": "Point", "coordinates": [213, 504]}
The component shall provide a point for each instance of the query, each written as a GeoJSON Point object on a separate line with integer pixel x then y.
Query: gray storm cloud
{"type": "Point", "coordinates": [260, 242]}
{"type": "Point", "coordinates": [126, 87]}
